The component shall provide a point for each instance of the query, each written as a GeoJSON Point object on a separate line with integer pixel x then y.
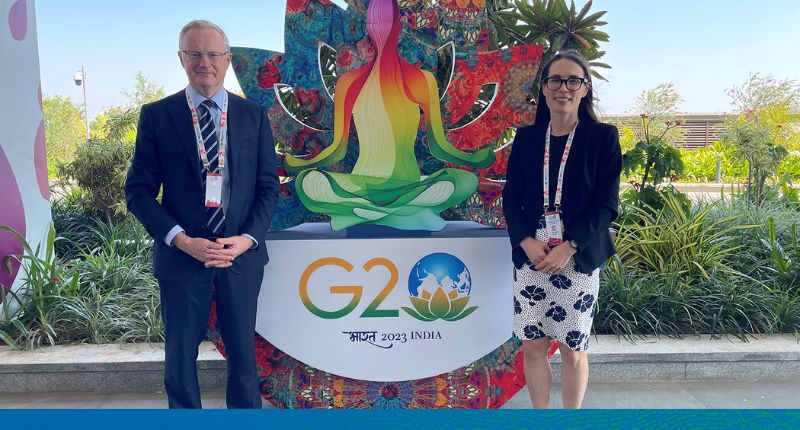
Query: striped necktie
{"type": "Point", "coordinates": [215, 217]}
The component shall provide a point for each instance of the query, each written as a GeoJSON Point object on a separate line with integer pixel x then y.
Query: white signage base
{"type": "Point", "coordinates": [387, 309]}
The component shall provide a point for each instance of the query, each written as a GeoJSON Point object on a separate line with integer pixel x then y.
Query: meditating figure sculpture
{"type": "Point", "coordinates": [385, 187]}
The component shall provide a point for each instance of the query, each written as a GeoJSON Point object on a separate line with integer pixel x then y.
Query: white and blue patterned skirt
{"type": "Point", "coordinates": [561, 306]}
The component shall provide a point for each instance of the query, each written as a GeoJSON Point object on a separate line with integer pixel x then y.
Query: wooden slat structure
{"type": "Point", "coordinates": [699, 129]}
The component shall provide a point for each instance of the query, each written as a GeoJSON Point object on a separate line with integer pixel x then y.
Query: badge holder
{"type": "Point", "coordinates": [214, 195]}
{"type": "Point", "coordinates": [213, 190]}
{"type": "Point", "coordinates": [554, 227]}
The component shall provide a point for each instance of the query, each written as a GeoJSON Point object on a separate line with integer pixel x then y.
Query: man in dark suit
{"type": "Point", "coordinates": [212, 153]}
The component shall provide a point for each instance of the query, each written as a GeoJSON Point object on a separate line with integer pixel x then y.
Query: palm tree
{"type": "Point", "coordinates": [550, 23]}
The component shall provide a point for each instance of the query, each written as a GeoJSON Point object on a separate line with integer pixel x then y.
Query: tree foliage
{"type": "Point", "coordinates": [759, 92]}
{"type": "Point", "coordinates": [101, 164]}
{"type": "Point", "coordinates": [752, 141]}
{"type": "Point", "coordinates": [143, 92]}
{"type": "Point", "coordinates": [659, 106]}
{"type": "Point", "coordinates": [100, 167]}
{"type": "Point", "coordinates": [766, 127]}
{"type": "Point", "coordinates": [653, 160]}
{"type": "Point", "coordinates": [120, 124]}
{"type": "Point", "coordinates": [550, 23]}
{"type": "Point", "coordinates": [658, 162]}
{"type": "Point", "coordinates": [64, 130]}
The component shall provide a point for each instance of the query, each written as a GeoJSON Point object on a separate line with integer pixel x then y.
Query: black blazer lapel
{"type": "Point", "coordinates": [182, 119]}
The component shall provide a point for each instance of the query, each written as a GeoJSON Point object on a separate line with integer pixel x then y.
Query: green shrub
{"type": "Point", "coordinates": [755, 258]}
{"type": "Point", "coordinates": [727, 267]}
{"type": "Point", "coordinates": [633, 304]}
{"type": "Point", "coordinates": [29, 317]}
{"type": "Point", "coordinates": [700, 165]}
{"type": "Point", "coordinates": [711, 269]}
{"type": "Point", "coordinates": [791, 165]}
{"type": "Point", "coordinates": [109, 295]}
{"type": "Point", "coordinates": [679, 240]}
{"type": "Point", "coordinates": [101, 168]}
{"type": "Point", "coordinates": [75, 220]}
{"type": "Point", "coordinates": [771, 255]}
{"type": "Point", "coordinates": [117, 300]}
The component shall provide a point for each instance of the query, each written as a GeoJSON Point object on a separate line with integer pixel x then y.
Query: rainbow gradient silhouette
{"type": "Point", "coordinates": [385, 186]}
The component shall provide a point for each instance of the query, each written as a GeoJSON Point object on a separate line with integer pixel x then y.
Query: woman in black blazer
{"type": "Point", "coordinates": [556, 261]}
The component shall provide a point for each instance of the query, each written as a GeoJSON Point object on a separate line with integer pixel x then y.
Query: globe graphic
{"type": "Point", "coordinates": [439, 270]}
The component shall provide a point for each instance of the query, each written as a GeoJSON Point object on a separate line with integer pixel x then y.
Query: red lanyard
{"type": "Point", "coordinates": [222, 136]}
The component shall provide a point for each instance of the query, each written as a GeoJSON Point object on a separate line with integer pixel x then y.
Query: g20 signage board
{"type": "Point", "coordinates": [387, 309]}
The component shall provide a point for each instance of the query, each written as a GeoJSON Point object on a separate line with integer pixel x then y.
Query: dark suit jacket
{"type": "Point", "coordinates": [590, 197]}
{"type": "Point", "coordinates": [166, 155]}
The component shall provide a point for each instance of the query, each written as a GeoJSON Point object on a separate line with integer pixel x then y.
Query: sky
{"type": "Point", "coordinates": [702, 46]}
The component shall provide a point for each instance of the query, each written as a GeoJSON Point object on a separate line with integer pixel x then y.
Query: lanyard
{"type": "Point", "coordinates": [222, 136]}
{"type": "Point", "coordinates": [546, 179]}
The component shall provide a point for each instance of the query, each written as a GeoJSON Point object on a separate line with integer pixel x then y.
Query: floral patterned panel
{"type": "Point", "coordinates": [310, 24]}
{"type": "Point", "coordinates": [485, 384]}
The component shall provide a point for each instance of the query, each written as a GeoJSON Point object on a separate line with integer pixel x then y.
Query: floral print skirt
{"type": "Point", "coordinates": [561, 306]}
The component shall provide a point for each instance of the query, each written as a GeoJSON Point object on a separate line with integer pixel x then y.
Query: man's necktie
{"type": "Point", "coordinates": [215, 217]}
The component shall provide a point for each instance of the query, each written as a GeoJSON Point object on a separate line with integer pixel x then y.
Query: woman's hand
{"type": "Point", "coordinates": [535, 250]}
{"type": "Point", "coordinates": [556, 259]}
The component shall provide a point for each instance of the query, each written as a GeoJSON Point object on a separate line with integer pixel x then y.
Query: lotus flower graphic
{"type": "Point", "coordinates": [439, 286]}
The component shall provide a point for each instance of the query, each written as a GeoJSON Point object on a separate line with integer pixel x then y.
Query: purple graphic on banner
{"type": "Point", "coordinates": [18, 19]}
{"type": "Point", "coordinates": [40, 162]}
{"type": "Point", "coordinates": [12, 214]}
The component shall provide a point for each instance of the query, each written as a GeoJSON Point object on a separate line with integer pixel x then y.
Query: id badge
{"type": "Point", "coordinates": [213, 190]}
{"type": "Point", "coordinates": [555, 230]}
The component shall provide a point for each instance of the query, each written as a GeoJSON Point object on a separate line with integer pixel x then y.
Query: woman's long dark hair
{"type": "Point", "coordinates": [586, 111]}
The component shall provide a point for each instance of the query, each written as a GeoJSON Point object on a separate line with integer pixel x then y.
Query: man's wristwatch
{"type": "Point", "coordinates": [573, 244]}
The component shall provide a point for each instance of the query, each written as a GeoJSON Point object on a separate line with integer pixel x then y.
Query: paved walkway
{"type": "Point", "coordinates": [693, 372]}
{"type": "Point", "coordinates": [139, 367]}
{"type": "Point", "coordinates": [712, 394]}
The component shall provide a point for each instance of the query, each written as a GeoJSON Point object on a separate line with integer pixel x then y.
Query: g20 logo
{"type": "Point", "coordinates": [356, 291]}
{"type": "Point", "coordinates": [439, 287]}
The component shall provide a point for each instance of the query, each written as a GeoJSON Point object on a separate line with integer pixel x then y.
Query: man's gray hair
{"type": "Point", "coordinates": [208, 25]}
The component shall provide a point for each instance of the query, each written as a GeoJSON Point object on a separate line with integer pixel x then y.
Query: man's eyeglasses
{"type": "Point", "coordinates": [573, 84]}
{"type": "Point", "coordinates": [197, 55]}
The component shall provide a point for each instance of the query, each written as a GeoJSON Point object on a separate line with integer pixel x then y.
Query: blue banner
{"type": "Point", "coordinates": [401, 419]}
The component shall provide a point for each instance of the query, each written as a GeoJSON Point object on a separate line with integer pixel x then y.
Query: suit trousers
{"type": "Point", "coordinates": [185, 308]}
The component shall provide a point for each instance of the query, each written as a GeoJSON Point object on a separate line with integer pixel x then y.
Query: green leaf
{"type": "Point", "coordinates": [464, 314]}
{"type": "Point", "coordinates": [416, 315]}
{"type": "Point", "coordinates": [8, 339]}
